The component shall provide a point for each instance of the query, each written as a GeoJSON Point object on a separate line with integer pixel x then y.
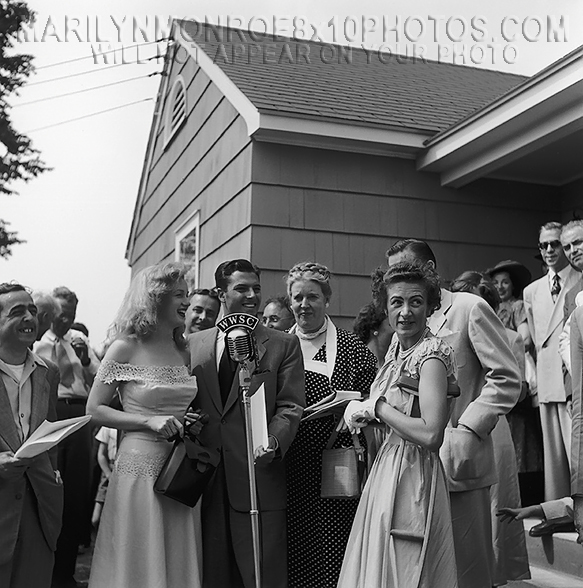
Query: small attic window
{"type": "Point", "coordinates": [176, 111]}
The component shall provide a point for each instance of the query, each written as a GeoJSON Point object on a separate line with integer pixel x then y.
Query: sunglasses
{"type": "Point", "coordinates": [552, 244]}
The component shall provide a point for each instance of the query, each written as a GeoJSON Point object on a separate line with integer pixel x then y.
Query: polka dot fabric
{"type": "Point", "coordinates": [318, 528]}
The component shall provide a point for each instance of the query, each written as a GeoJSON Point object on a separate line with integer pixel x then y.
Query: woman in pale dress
{"type": "Point", "coordinates": [146, 540]}
{"type": "Point", "coordinates": [402, 535]}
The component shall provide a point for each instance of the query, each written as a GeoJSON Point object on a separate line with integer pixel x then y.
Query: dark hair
{"type": "Point", "coordinates": [81, 328]}
{"type": "Point", "coordinates": [368, 319]}
{"type": "Point", "coordinates": [311, 271]}
{"type": "Point", "coordinates": [281, 301]}
{"type": "Point", "coordinates": [63, 293]}
{"type": "Point", "coordinates": [228, 268]}
{"type": "Point", "coordinates": [210, 292]}
{"type": "Point", "coordinates": [378, 289]}
{"type": "Point", "coordinates": [420, 249]}
{"type": "Point", "coordinates": [418, 273]}
{"type": "Point", "coordinates": [477, 283]}
{"type": "Point", "coordinates": [8, 287]}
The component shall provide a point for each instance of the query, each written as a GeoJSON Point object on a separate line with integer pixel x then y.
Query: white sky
{"type": "Point", "coordinates": [76, 218]}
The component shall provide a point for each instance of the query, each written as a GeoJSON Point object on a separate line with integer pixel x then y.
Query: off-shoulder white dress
{"type": "Point", "coordinates": [146, 540]}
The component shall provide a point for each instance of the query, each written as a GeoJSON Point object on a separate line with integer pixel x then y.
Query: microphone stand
{"type": "Point", "coordinates": [244, 382]}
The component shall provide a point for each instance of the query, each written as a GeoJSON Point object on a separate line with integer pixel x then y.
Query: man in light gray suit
{"type": "Point", "coordinates": [31, 494]}
{"type": "Point", "coordinates": [543, 302]}
{"type": "Point", "coordinates": [490, 382]}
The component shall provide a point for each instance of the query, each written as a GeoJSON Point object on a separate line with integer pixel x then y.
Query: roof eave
{"type": "Point", "coordinates": [541, 110]}
{"type": "Point", "coordinates": [339, 136]}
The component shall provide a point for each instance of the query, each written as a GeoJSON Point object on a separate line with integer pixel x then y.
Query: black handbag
{"type": "Point", "coordinates": [187, 471]}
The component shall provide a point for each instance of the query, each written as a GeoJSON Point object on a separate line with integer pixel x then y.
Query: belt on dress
{"type": "Point", "coordinates": [73, 400]}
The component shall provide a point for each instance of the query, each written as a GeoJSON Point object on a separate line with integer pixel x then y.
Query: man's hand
{"type": "Point", "coordinates": [265, 456]}
{"type": "Point", "coordinates": [81, 349]}
{"type": "Point", "coordinates": [511, 514]}
{"type": "Point", "coordinates": [578, 517]}
{"type": "Point", "coordinates": [12, 467]}
{"type": "Point", "coordinates": [194, 420]}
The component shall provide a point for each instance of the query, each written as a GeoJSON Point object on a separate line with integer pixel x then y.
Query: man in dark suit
{"type": "Point", "coordinates": [226, 527]}
{"type": "Point", "coordinates": [31, 493]}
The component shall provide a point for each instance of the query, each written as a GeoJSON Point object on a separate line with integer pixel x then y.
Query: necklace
{"type": "Point", "coordinates": [403, 353]}
{"type": "Point", "coordinates": [315, 334]}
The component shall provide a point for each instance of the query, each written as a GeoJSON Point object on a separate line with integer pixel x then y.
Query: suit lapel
{"type": "Point", "coordinates": [557, 313]}
{"type": "Point", "coordinates": [8, 430]}
{"type": "Point", "coordinates": [39, 398]}
{"type": "Point", "coordinates": [261, 337]}
{"type": "Point", "coordinates": [205, 356]}
{"type": "Point", "coordinates": [437, 319]}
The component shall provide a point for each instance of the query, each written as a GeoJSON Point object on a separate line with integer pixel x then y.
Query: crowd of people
{"type": "Point", "coordinates": [465, 403]}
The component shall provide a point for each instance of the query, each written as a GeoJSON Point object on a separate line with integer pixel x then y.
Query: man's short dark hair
{"type": "Point", "coordinates": [423, 253]}
{"type": "Point", "coordinates": [63, 293]}
{"type": "Point", "coordinates": [228, 268]}
{"type": "Point", "coordinates": [8, 287]}
{"type": "Point", "coordinates": [210, 292]}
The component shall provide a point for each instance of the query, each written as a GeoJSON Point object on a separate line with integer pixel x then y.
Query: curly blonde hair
{"type": "Point", "coordinates": [310, 271]}
{"type": "Point", "coordinates": [138, 313]}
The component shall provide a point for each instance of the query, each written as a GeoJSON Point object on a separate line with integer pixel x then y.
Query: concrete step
{"type": "Point", "coordinates": [559, 552]}
{"type": "Point", "coordinates": [544, 578]}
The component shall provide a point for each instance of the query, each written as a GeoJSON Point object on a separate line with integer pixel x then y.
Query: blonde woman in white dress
{"type": "Point", "coordinates": [146, 540]}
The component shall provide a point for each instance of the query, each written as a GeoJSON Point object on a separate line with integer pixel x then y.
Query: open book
{"type": "Point", "coordinates": [331, 404]}
{"type": "Point", "coordinates": [50, 434]}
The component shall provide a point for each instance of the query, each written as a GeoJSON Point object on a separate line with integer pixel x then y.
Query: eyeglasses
{"type": "Point", "coordinates": [552, 244]}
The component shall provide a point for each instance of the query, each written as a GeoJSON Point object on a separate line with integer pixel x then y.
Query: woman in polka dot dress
{"type": "Point", "coordinates": [334, 359]}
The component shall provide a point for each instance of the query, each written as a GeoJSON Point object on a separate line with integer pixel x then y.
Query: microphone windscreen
{"type": "Point", "coordinates": [239, 345]}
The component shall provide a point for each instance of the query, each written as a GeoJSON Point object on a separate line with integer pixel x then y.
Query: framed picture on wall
{"type": "Point", "coordinates": [186, 249]}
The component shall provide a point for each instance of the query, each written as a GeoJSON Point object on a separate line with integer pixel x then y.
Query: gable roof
{"type": "Point", "coordinates": [308, 79]}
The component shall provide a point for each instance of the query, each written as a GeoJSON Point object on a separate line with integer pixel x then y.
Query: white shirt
{"type": "Point", "coordinates": [17, 381]}
{"type": "Point", "coordinates": [82, 375]}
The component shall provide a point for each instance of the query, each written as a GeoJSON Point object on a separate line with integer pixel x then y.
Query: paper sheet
{"type": "Point", "coordinates": [50, 434]}
{"type": "Point", "coordinates": [259, 418]}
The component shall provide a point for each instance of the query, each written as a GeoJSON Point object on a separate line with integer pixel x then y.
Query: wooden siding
{"type": "Point", "coordinates": [345, 210]}
{"type": "Point", "coordinates": [207, 167]}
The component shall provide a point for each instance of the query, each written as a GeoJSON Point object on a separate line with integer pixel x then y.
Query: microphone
{"type": "Point", "coordinates": [240, 344]}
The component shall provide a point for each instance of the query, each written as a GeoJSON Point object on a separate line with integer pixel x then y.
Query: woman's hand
{"type": "Point", "coordinates": [165, 425]}
{"type": "Point", "coordinates": [358, 414]}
